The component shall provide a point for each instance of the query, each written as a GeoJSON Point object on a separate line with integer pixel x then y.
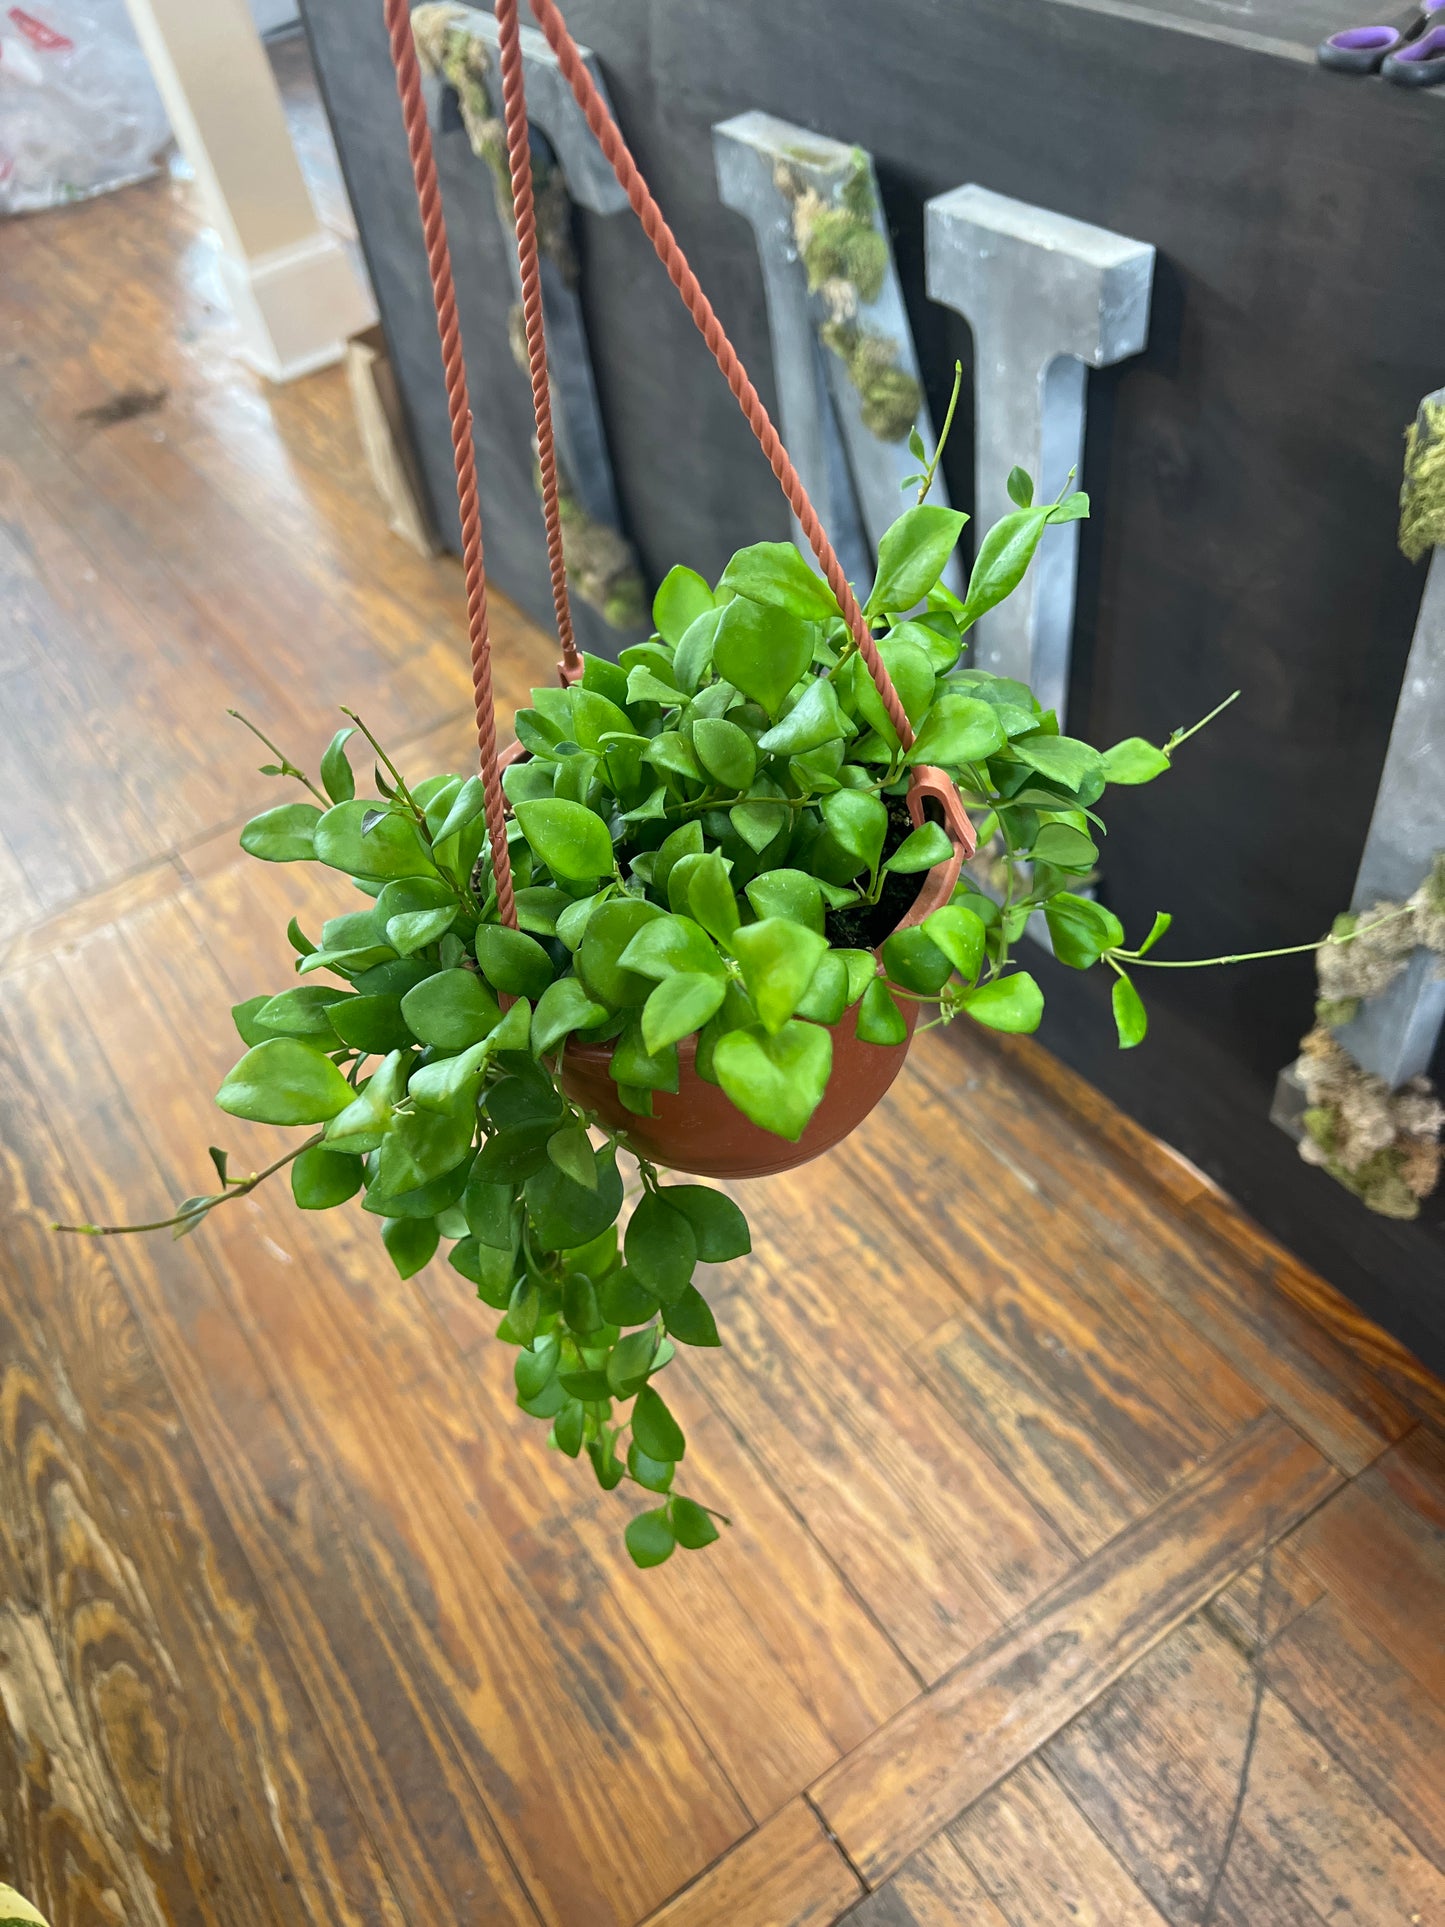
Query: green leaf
{"type": "Point", "coordinates": [392, 848]}
{"type": "Point", "coordinates": [681, 1004]}
{"type": "Point", "coordinates": [775, 1079]}
{"type": "Point", "coordinates": [1162, 921]}
{"type": "Point", "coordinates": [630, 1361]}
{"type": "Point", "coordinates": [672, 943]}
{"type": "Point", "coordinates": [420, 1147]}
{"type": "Point", "coordinates": [776, 573]}
{"type": "Point", "coordinates": [303, 1012]}
{"type": "Point", "coordinates": [686, 840]}
{"type": "Point", "coordinates": [1003, 556]}
{"type": "Point", "coordinates": [466, 806]}
{"type": "Point", "coordinates": [1012, 1003]}
{"type": "Point", "coordinates": [1131, 1020]}
{"type": "Point", "coordinates": [536, 1365]}
{"type": "Point", "coordinates": [692, 1524]}
{"type": "Point", "coordinates": [656, 1474]}
{"type": "Point", "coordinates": [758, 822]}
{"type": "Point", "coordinates": [595, 717]}
{"type": "Point", "coordinates": [693, 656]}
{"type": "Point", "coordinates": [725, 751]}
{"type": "Point", "coordinates": [788, 893]}
{"type": "Point", "coordinates": [857, 820]}
{"type": "Point", "coordinates": [411, 1242]}
{"type": "Point", "coordinates": [493, 1272]}
{"type": "Point", "coordinates": [644, 685]}
{"type": "Point", "coordinates": [681, 598]}
{"type": "Point", "coordinates": [672, 753]}
{"type": "Point", "coordinates": [718, 1225]}
{"type": "Point", "coordinates": [624, 1300]}
{"type": "Point", "coordinates": [880, 1021]}
{"type": "Point", "coordinates": [1065, 848]}
{"type": "Point", "coordinates": [778, 958]}
{"type": "Point", "coordinates": [710, 895]}
{"type": "Point", "coordinates": [413, 930]}
{"type": "Point", "coordinates": [451, 1010]}
{"type": "Point", "coordinates": [605, 1462]}
{"type": "Point", "coordinates": [826, 998]}
{"type": "Point", "coordinates": [862, 968]}
{"type": "Point", "coordinates": [913, 960]}
{"type": "Point", "coordinates": [336, 776]}
{"type": "Point", "coordinates": [298, 939]}
{"type": "Point", "coordinates": [568, 1428]}
{"type": "Point", "coordinates": [1134, 761]}
{"type": "Point", "coordinates": [1064, 758]}
{"type": "Point", "coordinates": [762, 651]}
{"type": "Point", "coordinates": [491, 1213]}
{"type": "Point", "coordinates": [570, 839]}
{"type": "Point", "coordinates": [813, 720]}
{"type": "Point", "coordinates": [583, 1315]}
{"type": "Point", "coordinates": [364, 1122]}
{"type": "Point", "coordinates": [1081, 930]}
{"type": "Point", "coordinates": [660, 1247]}
{"type": "Point", "coordinates": [570, 1149]}
{"type": "Point", "coordinates": [373, 1025]}
{"type": "Point", "coordinates": [563, 1007]}
{"type": "Point", "coordinates": [285, 1081]}
{"type": "Point", "coordinates": [690, 1320]}
{"type": "Point", "coordinates": [564, 1213]}
{"type": "Point", "coordinates": [513, 962]}
{"type": "Point", "coordinates": [960, 935]}
{"type": "Point", "coordinates": [1020, 487]}
{"type": "Point", "coordinates": [649, 1538]}
{"type": "Point", "coordinates": [911, 671]}
{"type": "Point", "coordinates": [958, 729]}
{"type": "Point", "coordinates": [921, 849]}
{"type": "Point", "coordinates": [286, 834]}
{"type": "Point", "coordinates": [322, 1178]}
{"type": "Point", "coordinates": [657, 1432]}
{"type": "Point", "coordinates": [912, 556]}
{"type": "Point", "coordinates": [610, 929]}
{"type": "Point", "coordinates": [1073, 508]}
{"type": "Point", "coordinates": [635, 1067]}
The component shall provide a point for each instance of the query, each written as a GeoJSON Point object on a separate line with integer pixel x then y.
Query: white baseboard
{"type": "Point", "coordinates": [297, 306]}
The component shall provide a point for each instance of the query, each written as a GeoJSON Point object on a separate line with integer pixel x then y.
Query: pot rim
{"type": "Point", "coordinates": [935, 890]}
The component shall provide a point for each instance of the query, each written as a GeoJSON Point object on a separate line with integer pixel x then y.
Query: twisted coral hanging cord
{"type": "Point", "coordinates": [665, 244]}
{"type": "Point", "coordinates": [428, 194]}
{"type": "Point", "coordinates": [519, 158]}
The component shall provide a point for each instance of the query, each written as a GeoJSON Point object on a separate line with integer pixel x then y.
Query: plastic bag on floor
{"type": "Point", "coordinates": [79, 112]}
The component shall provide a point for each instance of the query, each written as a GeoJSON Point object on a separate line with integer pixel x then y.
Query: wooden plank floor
{"type": "Point", "coordinates": [1058, 1490]}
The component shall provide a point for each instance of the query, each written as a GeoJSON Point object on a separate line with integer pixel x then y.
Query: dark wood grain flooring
{"type": "Point", "coordinates": [1053, 1481]}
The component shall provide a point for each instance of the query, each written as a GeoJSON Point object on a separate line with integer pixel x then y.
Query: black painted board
{"type": "Point", "coordinates": [1245, 468]}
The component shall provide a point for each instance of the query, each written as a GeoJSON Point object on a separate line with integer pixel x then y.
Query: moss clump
{"type": "Point", "coordinates": [890, 396]}
{"type": "Point", "coordinates": [446, 48]}
{"type": "Point", "coordinates": [1381, 1144]}
{"type": "Point", "coordinates": [1422, 496]}
{"type": "Point", "coordinates": [601, 564]}
{"type": "Point", "coordinates": [845, 259]}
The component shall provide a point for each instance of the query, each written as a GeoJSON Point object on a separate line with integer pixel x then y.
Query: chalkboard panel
{"type": "Point", "coordinates": [1245, 468]}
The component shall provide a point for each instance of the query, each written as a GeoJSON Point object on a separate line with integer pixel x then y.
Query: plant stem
{"type": "Point", "coordinates": [208, 1205]}
{"type": "Point", "coordinates": [932, 468]}
{"type": "Point", "coordinates": [418, 814]}
{"type": "Point", "coordinates": [1183, 735]}
{"type": "Point", "coordinates": [1255, 956]}
{"type": "Point", "coordinates": [288, 768]}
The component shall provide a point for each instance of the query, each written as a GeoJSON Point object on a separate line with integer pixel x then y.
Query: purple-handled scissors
{"type": "Point", "coordinates": [1411, 54]}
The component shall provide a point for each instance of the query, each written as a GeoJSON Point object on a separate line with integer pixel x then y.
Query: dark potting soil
{"type": "Point", "coordinates": [863, 926]}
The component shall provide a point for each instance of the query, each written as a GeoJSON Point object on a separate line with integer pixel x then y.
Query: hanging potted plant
{"type": "Point", "coordinates": [727, 925]}
{"type": "Point", "coordinates": [690, 923]}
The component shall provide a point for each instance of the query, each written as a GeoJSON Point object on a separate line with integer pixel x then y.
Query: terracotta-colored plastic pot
{"type": "Point", "coordinates": [698, 1129]}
